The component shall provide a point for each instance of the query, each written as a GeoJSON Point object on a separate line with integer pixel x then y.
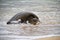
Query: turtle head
{"type": "Point", "coordinates": [34, 21]}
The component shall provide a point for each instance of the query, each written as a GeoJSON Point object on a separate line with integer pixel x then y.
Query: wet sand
{"type": "Point", "coordinates": [49, 38]}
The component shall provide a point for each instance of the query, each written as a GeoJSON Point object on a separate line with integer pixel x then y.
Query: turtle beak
{"type": "Point", "coordinates": [38, 22]}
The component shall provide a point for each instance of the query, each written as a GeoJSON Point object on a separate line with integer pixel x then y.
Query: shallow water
{"type": "Point", "coordinates": [48, 12]}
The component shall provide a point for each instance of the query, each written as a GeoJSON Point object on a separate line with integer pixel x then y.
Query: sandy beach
{"type": "Point", "coordinates": [49, 38]}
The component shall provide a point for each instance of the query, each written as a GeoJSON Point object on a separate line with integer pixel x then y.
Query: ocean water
{"type": "Point", "coordinates": [48, 12]}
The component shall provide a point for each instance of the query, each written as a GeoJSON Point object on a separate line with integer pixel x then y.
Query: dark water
{"type": "Point", "coordinates": [48, 12]}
